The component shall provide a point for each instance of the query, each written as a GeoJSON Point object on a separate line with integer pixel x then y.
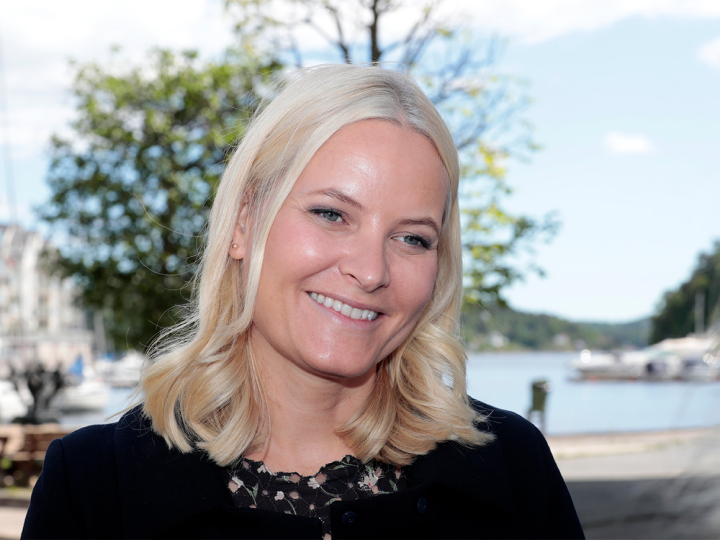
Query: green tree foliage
{"type": "Point", "coordinates": [460, 77]}
{"type": "Point", "coordinates": [675, 316]}
{"type": "Point", "coordinates": [130, 186]}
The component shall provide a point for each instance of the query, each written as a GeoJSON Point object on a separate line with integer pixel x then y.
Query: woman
{"type": "Point", "coordinates": [318, 387]}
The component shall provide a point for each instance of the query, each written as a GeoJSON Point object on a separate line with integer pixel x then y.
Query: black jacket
{"type": "Point", "coordinates": [121, 481]}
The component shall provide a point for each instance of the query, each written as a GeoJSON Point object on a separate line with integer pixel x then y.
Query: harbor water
{"type": "Point", "coordinates": [573, 407]}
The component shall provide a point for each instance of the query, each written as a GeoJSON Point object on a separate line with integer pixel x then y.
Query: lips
{"type": "Point", "coordinates": [344, 309]}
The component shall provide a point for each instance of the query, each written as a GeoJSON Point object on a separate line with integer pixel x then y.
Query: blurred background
{"type": "Point", "coordinates": [588, 139]}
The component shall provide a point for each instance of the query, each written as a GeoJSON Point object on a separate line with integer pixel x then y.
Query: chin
{"type": "Point", "coordinates": [346, 372]}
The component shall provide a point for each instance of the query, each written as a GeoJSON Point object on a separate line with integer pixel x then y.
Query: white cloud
{"type": "Point", "coordinates": [618, 142]}
{"type": "Point", "coordinates": [710, 53]}
{"type": "Point", "coordinates": [40, 37]}
{"type": "Point", "coordinates": [533, 21]}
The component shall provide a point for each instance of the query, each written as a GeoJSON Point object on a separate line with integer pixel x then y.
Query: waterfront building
{"type": "Point", "coordinates": [39, 319]}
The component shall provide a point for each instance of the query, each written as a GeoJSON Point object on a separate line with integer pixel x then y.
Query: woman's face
{"type": "Point", "coordinates": [351, 257]}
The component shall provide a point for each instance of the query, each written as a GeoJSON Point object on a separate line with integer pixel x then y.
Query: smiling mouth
{"type": "Point", "coordinates": [344, 309]}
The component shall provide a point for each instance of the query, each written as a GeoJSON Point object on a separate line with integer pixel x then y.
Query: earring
{"type": "Point", "coordinates": [234, 246]}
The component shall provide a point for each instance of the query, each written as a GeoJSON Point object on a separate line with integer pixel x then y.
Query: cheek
{"type": "Point", "coordinates": [293, 242]}
{"type": "Point", "coordinates": [419, 287]}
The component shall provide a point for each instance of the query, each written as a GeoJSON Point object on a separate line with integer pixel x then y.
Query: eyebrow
{"type": "Point", "coordinates": [340, 196]}
{"type": "Point", "coordinates": [428, 222]}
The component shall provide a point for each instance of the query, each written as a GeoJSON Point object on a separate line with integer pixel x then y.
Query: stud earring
{"type": "Point", "coordinates": [234, 246]}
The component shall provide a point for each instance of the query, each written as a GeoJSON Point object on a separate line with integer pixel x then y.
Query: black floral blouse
{"type": "Point", "coordinates": [254, 486]}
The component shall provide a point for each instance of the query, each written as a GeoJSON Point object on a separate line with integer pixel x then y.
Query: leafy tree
{"type": "Point", "coordinates": [130, 185]}
{"type": "Point", "coordinates": [676, 314]}
{"type": "Point", "coordinates": [458, 75]}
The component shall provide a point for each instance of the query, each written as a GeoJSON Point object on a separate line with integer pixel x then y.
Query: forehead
{"type": "Point", "coordinates": [376, 158]}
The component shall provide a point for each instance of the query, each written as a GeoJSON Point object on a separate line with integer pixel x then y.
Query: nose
{"type": "Point", "coordinates": [366, 263]}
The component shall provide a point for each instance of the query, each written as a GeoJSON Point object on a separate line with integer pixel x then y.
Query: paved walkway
{"type": "Point", "coordinates": [11, 522]}
{"type": "Point", "coordinates": [652, 485]}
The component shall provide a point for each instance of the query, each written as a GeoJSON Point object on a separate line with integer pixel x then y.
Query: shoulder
{"type": "Point", "coordinates": [517, 455]}
{"type": "Point", "coordinates": [103, 480]}
{"type": "Point", "coordinates": [91, 444]}
{"type": "Point", "coordinates": [515, 434]}
{"type": "Point", "coordinates": [515, 474]}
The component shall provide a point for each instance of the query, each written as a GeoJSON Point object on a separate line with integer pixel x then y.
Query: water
{"type": "Point", "coordinates": [503, 380]}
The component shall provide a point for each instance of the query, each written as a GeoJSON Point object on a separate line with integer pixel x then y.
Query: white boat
{"type": "Point", "coordinates": [663, 365]}
{"type": "Point", "coordinates": [611, 366]}
{"type": "Point", "coordinates": [11, 404]}
{"type": "Point", "coordinates": [689, 358]}
{"type": "Point", "coordinates": [706, 368]}
{"type": "Point", "coordinates": [86, 393]}
{"type": "Point", "coordinates": [123, 373]}
{"type": "Point", "coordinates": [697, 356]}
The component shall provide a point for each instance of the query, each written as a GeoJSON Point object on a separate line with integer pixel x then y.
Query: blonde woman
{"type": "Point", "coordinates": [317, 388]}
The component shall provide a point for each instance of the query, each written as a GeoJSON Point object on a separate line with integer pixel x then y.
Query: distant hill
{"type": "Point", "coordinates": [496, 328]}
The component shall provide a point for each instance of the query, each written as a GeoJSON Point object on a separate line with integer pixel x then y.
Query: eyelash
{"type": "Point", "coordinates": [421, 241]}
{"type": "Point", "coordinates": [326, 212]}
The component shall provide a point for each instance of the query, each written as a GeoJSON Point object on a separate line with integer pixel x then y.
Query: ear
{"type": "Point", "coordinates": [238, 246]}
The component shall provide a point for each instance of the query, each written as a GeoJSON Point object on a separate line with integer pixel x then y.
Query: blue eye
{"type": "Point", "coordinates": [418, 241]}
{"type": "Point", "coordinates": [328, 214]}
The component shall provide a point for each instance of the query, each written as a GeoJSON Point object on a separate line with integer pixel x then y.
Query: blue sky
{"type": "Point", "coordinates": [628, 117]}
{"type": "Point", "coordinates": [626, 108]}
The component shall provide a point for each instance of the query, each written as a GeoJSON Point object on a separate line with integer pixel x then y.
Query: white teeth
{"type": "Point", "coordinates": [348, 311]}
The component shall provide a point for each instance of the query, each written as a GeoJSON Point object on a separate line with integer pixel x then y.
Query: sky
{"type": "Point", "coordinates": [625, 105]}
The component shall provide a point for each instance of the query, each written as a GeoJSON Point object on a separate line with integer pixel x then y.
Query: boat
{"type": "Point", "coordinates": [696, 357]}
{"type": "Point", "coordinates": [706, 368]}
{"type": "Point", "coordinates": [689, 358]}
{"type": "Point", "coordinates": [85, 390]}
{"type": "Point", "coordinates": [663, 365]}
{"type": "Point", "coordinates": [11, 404]}
{"type": "Point", "coordinates": [123, 373]}
{"type": "Point", "coordinates": [616, 365]}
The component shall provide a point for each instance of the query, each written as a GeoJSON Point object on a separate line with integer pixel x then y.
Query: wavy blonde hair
{"type": "Point", "coordinates": [202, 389]}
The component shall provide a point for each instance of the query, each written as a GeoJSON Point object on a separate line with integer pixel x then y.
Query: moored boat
{"type": "Point", "coordinates": [689, 358]}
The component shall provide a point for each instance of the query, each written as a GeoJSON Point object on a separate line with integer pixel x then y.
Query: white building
{"type": "Point", "coordinates": [38, 317]}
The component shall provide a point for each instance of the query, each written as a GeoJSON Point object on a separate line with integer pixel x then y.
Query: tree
{"type": "Point", "coordinates": [676, 315]}
{"type": "Point", "coordinates": [130, 186]}
{"type": "Point", "coordinates": [459, 76]}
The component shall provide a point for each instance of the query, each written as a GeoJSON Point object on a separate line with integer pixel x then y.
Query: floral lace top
{"type": "Point", "coordinates": [254, 486]}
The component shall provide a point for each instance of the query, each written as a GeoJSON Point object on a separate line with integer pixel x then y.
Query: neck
{"type": "Point", "coordinates": [306, 411]}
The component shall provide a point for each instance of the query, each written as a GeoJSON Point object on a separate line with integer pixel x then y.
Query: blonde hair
{"type": "Point", "coordinates": [202, 386]}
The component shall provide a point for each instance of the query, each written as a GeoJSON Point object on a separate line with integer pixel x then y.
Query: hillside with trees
{"type": "Point", "coordinates": [694, 305]}
{"type": "Point", "coordinates": [503, 328]}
